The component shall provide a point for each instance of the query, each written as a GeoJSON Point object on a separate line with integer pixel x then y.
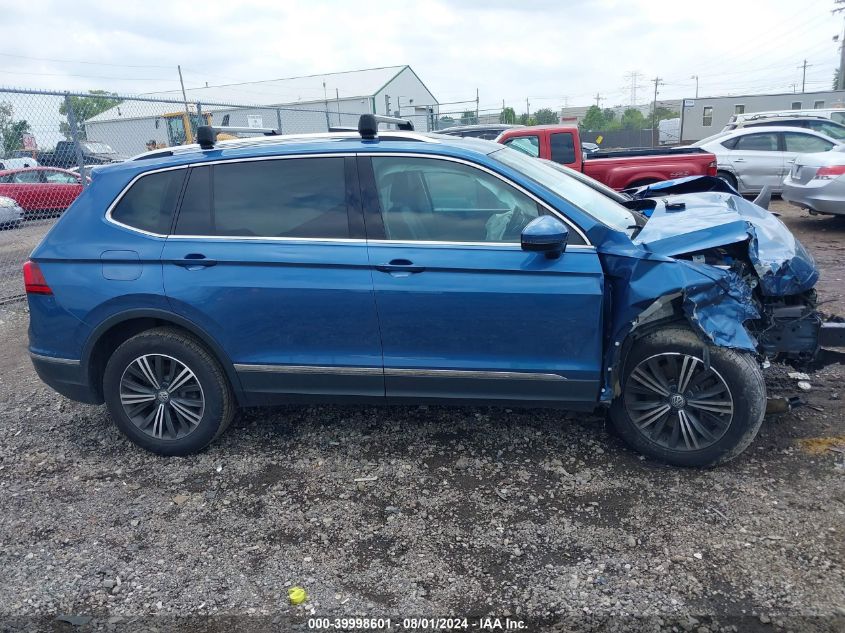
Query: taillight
{"type": "Point", "coordinates": [711, 168]}
{"type": "Point", "coordinates": [829, 173]}
{"type": "Point", "coordinates": [33, 279]}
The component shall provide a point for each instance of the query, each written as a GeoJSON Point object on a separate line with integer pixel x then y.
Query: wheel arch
{"type": "Point", "coordinates": [109, 334]}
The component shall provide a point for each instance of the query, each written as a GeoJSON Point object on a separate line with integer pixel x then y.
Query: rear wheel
{"type": "Point", "coordinates": [727, 177]}
{"type": "Point", "coordinates": [167, 393]}
{"type": "Point", "coordinates": [687, 402]}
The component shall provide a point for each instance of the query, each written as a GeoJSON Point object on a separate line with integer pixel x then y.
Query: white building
{"type": "Point", "coordinates": [295, 105]}
{"type": "Point", "coordinates": [708, 115]}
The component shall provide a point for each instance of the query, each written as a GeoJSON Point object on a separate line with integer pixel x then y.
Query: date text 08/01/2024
{"type": "Point", "coordinates": [418, 624]}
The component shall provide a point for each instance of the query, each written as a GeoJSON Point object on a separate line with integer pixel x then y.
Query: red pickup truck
{"type": "Point", "coordinates": [617, 169]}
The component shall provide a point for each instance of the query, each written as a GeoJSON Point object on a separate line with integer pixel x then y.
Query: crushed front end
{"type": "Point", "coordinates": [727, 266]}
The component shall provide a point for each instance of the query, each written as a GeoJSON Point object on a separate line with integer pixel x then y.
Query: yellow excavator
{"type": "Point", "coordinates": [181, 131]}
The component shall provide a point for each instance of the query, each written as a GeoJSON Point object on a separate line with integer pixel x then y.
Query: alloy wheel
{"type": "Point", "coordinates": [678, 402]}
{"type": "Point", "coordinates": [162, 396]}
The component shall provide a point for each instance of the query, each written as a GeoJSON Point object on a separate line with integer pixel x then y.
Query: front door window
{"type": "Point", "coordinates": [427, 199]}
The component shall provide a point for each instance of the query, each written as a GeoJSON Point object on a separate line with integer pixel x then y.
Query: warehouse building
{"type": "Point", "coordinates": [704, 117]}
{"type": "Point", "coordinates": [312, 103]}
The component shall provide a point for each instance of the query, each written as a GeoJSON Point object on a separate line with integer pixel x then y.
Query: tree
{"type": "Point", "coordinates": [544, 116]}
{"type": "Point", "coordinates": [508, 115]}
{"type": "Point", "coordinates": [469, 118]}
{"type": "Point", "coordinates": [85, 108]}
{"type": "Point", "coordinates": [525, 119]}
{"type": "Point", "coordinates": [633, 119]}
{"type": "Point", "coordinates": [593, 120]}
{"type": "Point", "coordinates": [836, 79]}
{"type": "Point", "coordinates": [444, 122]}
{"type": "Point", "coordinates": [11, 131]}
{"type": "Point", "coordinates": [665, 113]}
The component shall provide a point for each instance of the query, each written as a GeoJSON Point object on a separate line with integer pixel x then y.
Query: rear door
{"type": "Point", "coordinates": [464, 312]}
{"type": "Point", "coordinates": [758, 160]}
{"type": "Point", "coordinates": [269, 257]}
{"type": "Point", "coordinates": [796, 143]}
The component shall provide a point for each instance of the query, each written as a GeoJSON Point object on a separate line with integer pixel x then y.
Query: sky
{"type": "Point", "coordinates": [552, 53]}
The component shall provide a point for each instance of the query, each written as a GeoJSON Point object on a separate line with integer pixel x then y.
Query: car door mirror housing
{"type": "Point", "coordinates": [545, 235]}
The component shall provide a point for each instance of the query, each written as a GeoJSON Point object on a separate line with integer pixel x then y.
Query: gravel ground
{"type": "Point", "coordinates": [542, 517]}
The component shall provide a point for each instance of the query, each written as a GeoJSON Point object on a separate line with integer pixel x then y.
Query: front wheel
{"type": "Point", "coordinates": [687, 402]}
{"type": "Point", "coordinates": [167, 393]}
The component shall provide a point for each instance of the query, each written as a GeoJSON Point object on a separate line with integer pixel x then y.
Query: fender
{"type": "Point", "coordinates": [164, 315]}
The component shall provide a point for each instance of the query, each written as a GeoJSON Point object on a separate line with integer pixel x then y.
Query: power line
{"type": "Point", "coordinates": [79, 61]}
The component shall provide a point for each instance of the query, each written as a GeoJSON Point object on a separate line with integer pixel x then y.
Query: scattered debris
{"type": "Point", "coordinates": [297, 595]}
{"type": "Point", "coordinates": [362, 479]}
{"type": "Point", "coordinates": [797, 375]}
{"type": "Point", "coordinates": [803, 385]}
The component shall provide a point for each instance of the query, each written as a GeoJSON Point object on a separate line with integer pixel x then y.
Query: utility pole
{"type": "Point", "coordinates": [189, 136]}
{"type": "Point", "coordinates": [527, 110]}
{"type": "Point", "coordinates": [657, 82]}
{"type": "Point", "coordinates": [804, 74]}
{"type": "Point", "coordinates": [696, 85]}
{"type": "Point", "coordinates": [476, 105]}
{"type": "Point", "coordinates": [840, 78]}
{"type": "Point", "coordinates": [598, 99]}
{"type": "Point", "coordinates": [633, 76]}
{"type": "Point", "coordinates": [387, 104]}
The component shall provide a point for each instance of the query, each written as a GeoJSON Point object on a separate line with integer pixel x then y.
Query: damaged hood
{"type": "Point", "coordinates": [692, 222]}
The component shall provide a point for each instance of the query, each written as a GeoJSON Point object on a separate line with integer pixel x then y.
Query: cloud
{"type": "Point", "coordinates": [550, 52]}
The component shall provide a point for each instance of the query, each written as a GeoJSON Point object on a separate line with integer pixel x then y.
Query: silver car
{"type": "Point", "coordinates": [750, 158]}
{"type": "Point", "coordinates": [817, 182]}
{"type": "Point", "coordinates": [11, 215]}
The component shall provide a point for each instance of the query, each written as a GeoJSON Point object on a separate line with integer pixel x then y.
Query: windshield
{"type": "Point", "coordinates": [582, 196]}
{"type": "Point", "coordinates": [98, 148]}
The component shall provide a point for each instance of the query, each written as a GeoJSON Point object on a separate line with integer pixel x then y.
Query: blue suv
{"type": "Point", "coordinates": [384, 266]}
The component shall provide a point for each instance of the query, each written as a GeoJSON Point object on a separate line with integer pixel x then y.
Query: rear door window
{"type": "Point", "coordinates": [563, 148]}
{"type": "Point", "coordinates": [149, 203]}
{"type": "Point", "coordinates": [295, 197]}
{"type": "Point", "coordinates": [803, 143]}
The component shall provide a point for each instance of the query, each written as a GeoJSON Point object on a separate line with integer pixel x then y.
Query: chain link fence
{"type": "Point", "coordinates": [50, 142]}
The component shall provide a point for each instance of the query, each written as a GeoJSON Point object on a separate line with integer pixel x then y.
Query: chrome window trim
{"type": "Point", "coordinates": [396, 372]}
{"type": "Point", "coordinates": [495, 174]}
{"type": "Point", "coordinates": [109, 218]}
{"type": "Point", "coordinates": [53, 359]}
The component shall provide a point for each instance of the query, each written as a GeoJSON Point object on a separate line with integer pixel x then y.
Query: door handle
{"type": "Point", "coordinates": [791, 160]}
{"type": "Point", "coordinates": [739, 160]}
{"type": "Point", "coordinates": [399, 266]}
{"type": "Point", "coordinates": [195, 261]}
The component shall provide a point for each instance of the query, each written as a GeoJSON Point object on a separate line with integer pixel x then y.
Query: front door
{"type": "Point", "coordinates": [463, 311]}
{"type": "Point", "coordinates": [266, 258]}
{"type": "Point", "coordinates": [757, 161]}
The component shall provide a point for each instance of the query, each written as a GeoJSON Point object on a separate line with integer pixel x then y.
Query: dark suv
{"type": "Point", "coordinates": [396, 267]}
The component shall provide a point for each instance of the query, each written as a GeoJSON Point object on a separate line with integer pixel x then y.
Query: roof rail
{"type": "Point", "coordinates": [207, 134]}
{"type": "Point", "coordinates": [368, 124]}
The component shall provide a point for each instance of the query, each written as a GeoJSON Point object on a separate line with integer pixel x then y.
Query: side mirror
{"type": "Point", "coordinates": [545, 234]}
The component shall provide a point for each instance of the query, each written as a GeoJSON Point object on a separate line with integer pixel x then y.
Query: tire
{"type": "Point", "coordinates": [733, 390]}
{"type": "Point", "coordinates": [728, 178]}
{"type": "Point", "coordinates": [185, 419]}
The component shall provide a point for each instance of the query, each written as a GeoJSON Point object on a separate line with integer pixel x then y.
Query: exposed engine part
{"type": "Point", "coordinates": [789, 331]}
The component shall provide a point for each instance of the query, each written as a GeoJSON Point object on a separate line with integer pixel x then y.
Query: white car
{"type": "Point", "coordinates": [750, 158]}
{"type": "Point", "coordinates": [17, 163]}
{"type": "Point", "coordinates": [11, 215]}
